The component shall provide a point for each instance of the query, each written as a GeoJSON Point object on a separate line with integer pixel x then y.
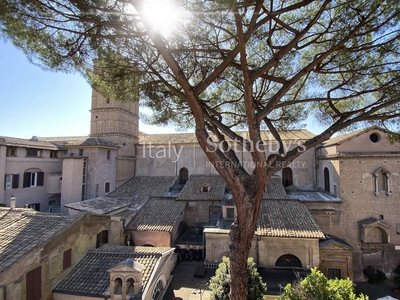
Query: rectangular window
{"type": "Point", "coordinates": [398, 228]}
{"type": "Point", "coordinates": [11, 181]}
{"type": "Point", "coordinates": [230, 213]}
{"type": "Point", "coordinates": [33, 152]}
{"type": "Point", "coordinates": [67, 259]}
{"type": "Point", "coordinates": [32, 179]}
{"type": "Point", "coordinates": [80, 152]}
{"type": "Point", "coordinates": [107, 187]}
{"type": "Point", "coordinates": [11, 151]}
{"type": "Point", "coordinates": [334, 273]}
{"type": "Point", "coordinates": [102, 238]}
{"type": "Point", "coordinates": [108, 154]}
{"type": "Point", "coordinates": [53, 154]}
{"type": "Point", "coordinates": [34, 284]}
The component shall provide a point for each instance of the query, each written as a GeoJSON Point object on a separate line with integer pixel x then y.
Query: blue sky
{"type": "Point", "coordinates": [45, 103]}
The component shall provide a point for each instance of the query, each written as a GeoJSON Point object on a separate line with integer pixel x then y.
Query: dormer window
{"type": "Point", "coordinates": [205, 188]}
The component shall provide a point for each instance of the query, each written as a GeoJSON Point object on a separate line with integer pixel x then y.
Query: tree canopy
{"type": "Point", "coordinates": [227, 65]}
{"type": "Point", "coordinates": [317, 287]}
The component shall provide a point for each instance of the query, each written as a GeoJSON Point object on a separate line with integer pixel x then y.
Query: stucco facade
{"type": "Point", "coordinates": [77, 237]}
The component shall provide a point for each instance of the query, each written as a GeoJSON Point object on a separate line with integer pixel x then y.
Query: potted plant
{"type": "Point", "coordinates": [396, 279]}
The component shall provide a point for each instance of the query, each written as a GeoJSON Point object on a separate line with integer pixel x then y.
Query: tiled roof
{"type": "Point", "coordinates": [31, 143]}
{"type": "Point", "coordinates": [83, 141]}
{"type": "Point", "coordinates": [190, 138]}
{"type": "Point", "coordinates": [107, 205]}
{"type": "Point", "coordinates": [153, 186]}
{"type": "Point", "coordinates": [157, 215]}
{"type": "Point", "coordinates": [313, 196]}
{"type": "Point", "coordinates": [286, 218]}
{"type": "Point", "coordinates": [89, 277]}
{"type": "Point", "coordinates": [275, 189]}
{"type": "Point", "coordinates": [193, 188]}
{"type": "Point", "coordinates": [332, 240]}
{"type": "Point", "coordinates": [21, 230]}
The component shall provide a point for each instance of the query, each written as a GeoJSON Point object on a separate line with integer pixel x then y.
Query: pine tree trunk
{"type": "Point", "coordinates": [241, 236]}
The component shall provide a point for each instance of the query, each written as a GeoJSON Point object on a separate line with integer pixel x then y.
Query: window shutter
{"type": "Point", "coordinates": [15, 181]}
{"type": "Point", "coordinates": [40, 178]}
{"type": "Point", "coordinates": [67, 259]}
{"type": "Point", "coordinates": [34, 284]}
{"type": "Point", "coordinates": [27, 180]}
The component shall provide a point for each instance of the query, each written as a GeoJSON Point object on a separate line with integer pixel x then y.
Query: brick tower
{"type": "Point", "coordinates": [117, 122]}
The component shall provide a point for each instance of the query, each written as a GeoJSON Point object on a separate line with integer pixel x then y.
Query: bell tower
{"type": "Point", "coordinates": [117, 122]}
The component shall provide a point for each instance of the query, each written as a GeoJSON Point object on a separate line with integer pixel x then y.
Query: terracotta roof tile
{"type": "Point", "coordinates": [83, 141]}
{"type": "Point", "coordinates": [190, 138]}
{"type": "Point", "coordinates": [89, 276]}
{"type": "Point", "coordinates": [275, 189]}
{"type": "Point", "coordinates": [286, 218]}
{"type": "Point", "coordinates": [31, 143]}
{"type": "Point", "coordinates": [21, 230]}
{"type": "Point", "coordinates": [157, 215]}
{"type": "Point", "coordinates": [193, 188]}
{"type": "Point", "coordinates": [153, 186]}
{"type": "Point", "coordinates": [107, 205]}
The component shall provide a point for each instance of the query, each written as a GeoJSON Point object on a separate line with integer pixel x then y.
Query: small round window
{"type": "Point", "coordinates": [374, 137]}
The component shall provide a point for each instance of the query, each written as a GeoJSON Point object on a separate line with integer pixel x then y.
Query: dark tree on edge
{"type": "Point", "coordinates": [229, 64]}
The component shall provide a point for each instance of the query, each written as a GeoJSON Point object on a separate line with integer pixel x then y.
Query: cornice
{"type": "Point", "coordinates": [345, 155]}
{"type": "Point", "coordinates": [113, 109]}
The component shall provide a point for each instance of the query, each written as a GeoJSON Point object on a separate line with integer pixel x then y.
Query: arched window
{"type": "Point", "coordinates": [183, 176]}
{"type": "Point", "coordinates": [130, 286]}
{"type": "Point", "coordinates": [118, 286]}
{"type": "Point", "coordinates": [327, 182]}
{"type": "Point", "coordinates": [157, 290]}
{"type": "Point", "coordinates": [288, 260]}
{"type": "Point", "coordinates": [287, 177]}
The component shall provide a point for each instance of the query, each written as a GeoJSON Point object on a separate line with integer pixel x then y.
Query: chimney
{"type": "Point", "coordinates": [12, 201]}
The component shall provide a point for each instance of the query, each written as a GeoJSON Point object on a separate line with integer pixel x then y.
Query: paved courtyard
{"type": "Point", "coordinates": [186, 286]}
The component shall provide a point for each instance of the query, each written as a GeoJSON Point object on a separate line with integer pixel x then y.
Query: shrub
{"type": "Point", "coordinates": [317, 287]}
{"type": "Point", "coordinates": [219, 284]}
{"type": "Point", "coordinates": [396, 278]}
{"type": "Point", "coordinates": [375, 276]}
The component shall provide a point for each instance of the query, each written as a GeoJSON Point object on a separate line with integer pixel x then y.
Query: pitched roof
{"type": "Point", "coordinates": [193, 188]}
{"type": "Point", "coordinates": [334, 240]}
{"type": "Point", "coordinates": [107, 205]}
{"type": "Point", "coordinates": [83, 141]}
{"type": "Point", "coordinates": [153, 186]}
{"type": "Point", "coordinates": [89, 276]}
{"type": "Point", "coordinates": [313, 196]}
{"type": "Point", "coordinates": [286, 218]}
{"type": "Point", "coordinates": [157, 215]}
{"type": "Point", "coordinates": [21, 230]}
{"type": "Point", "coordinates": [31, 143]}
{"type": "Point", "coordinates": [371, 221]}
{"type": "Point", "coordinates": [348, 136]}
{"type": "Point", "coordinates": [190, 138]}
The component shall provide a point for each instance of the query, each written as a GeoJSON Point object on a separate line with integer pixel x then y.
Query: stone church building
{"type": "Point", "coordinates": [336, 207]}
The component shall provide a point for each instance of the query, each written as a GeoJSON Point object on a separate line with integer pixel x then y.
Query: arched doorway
{"type": "Point", "coordinates": [327, 182]}
{"type": "Point", "coordinates": [287, 177]}
{"type": "Point", "coordinates": [183, 176]}
{"type": "Point", "coordinates": [288, 261]}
